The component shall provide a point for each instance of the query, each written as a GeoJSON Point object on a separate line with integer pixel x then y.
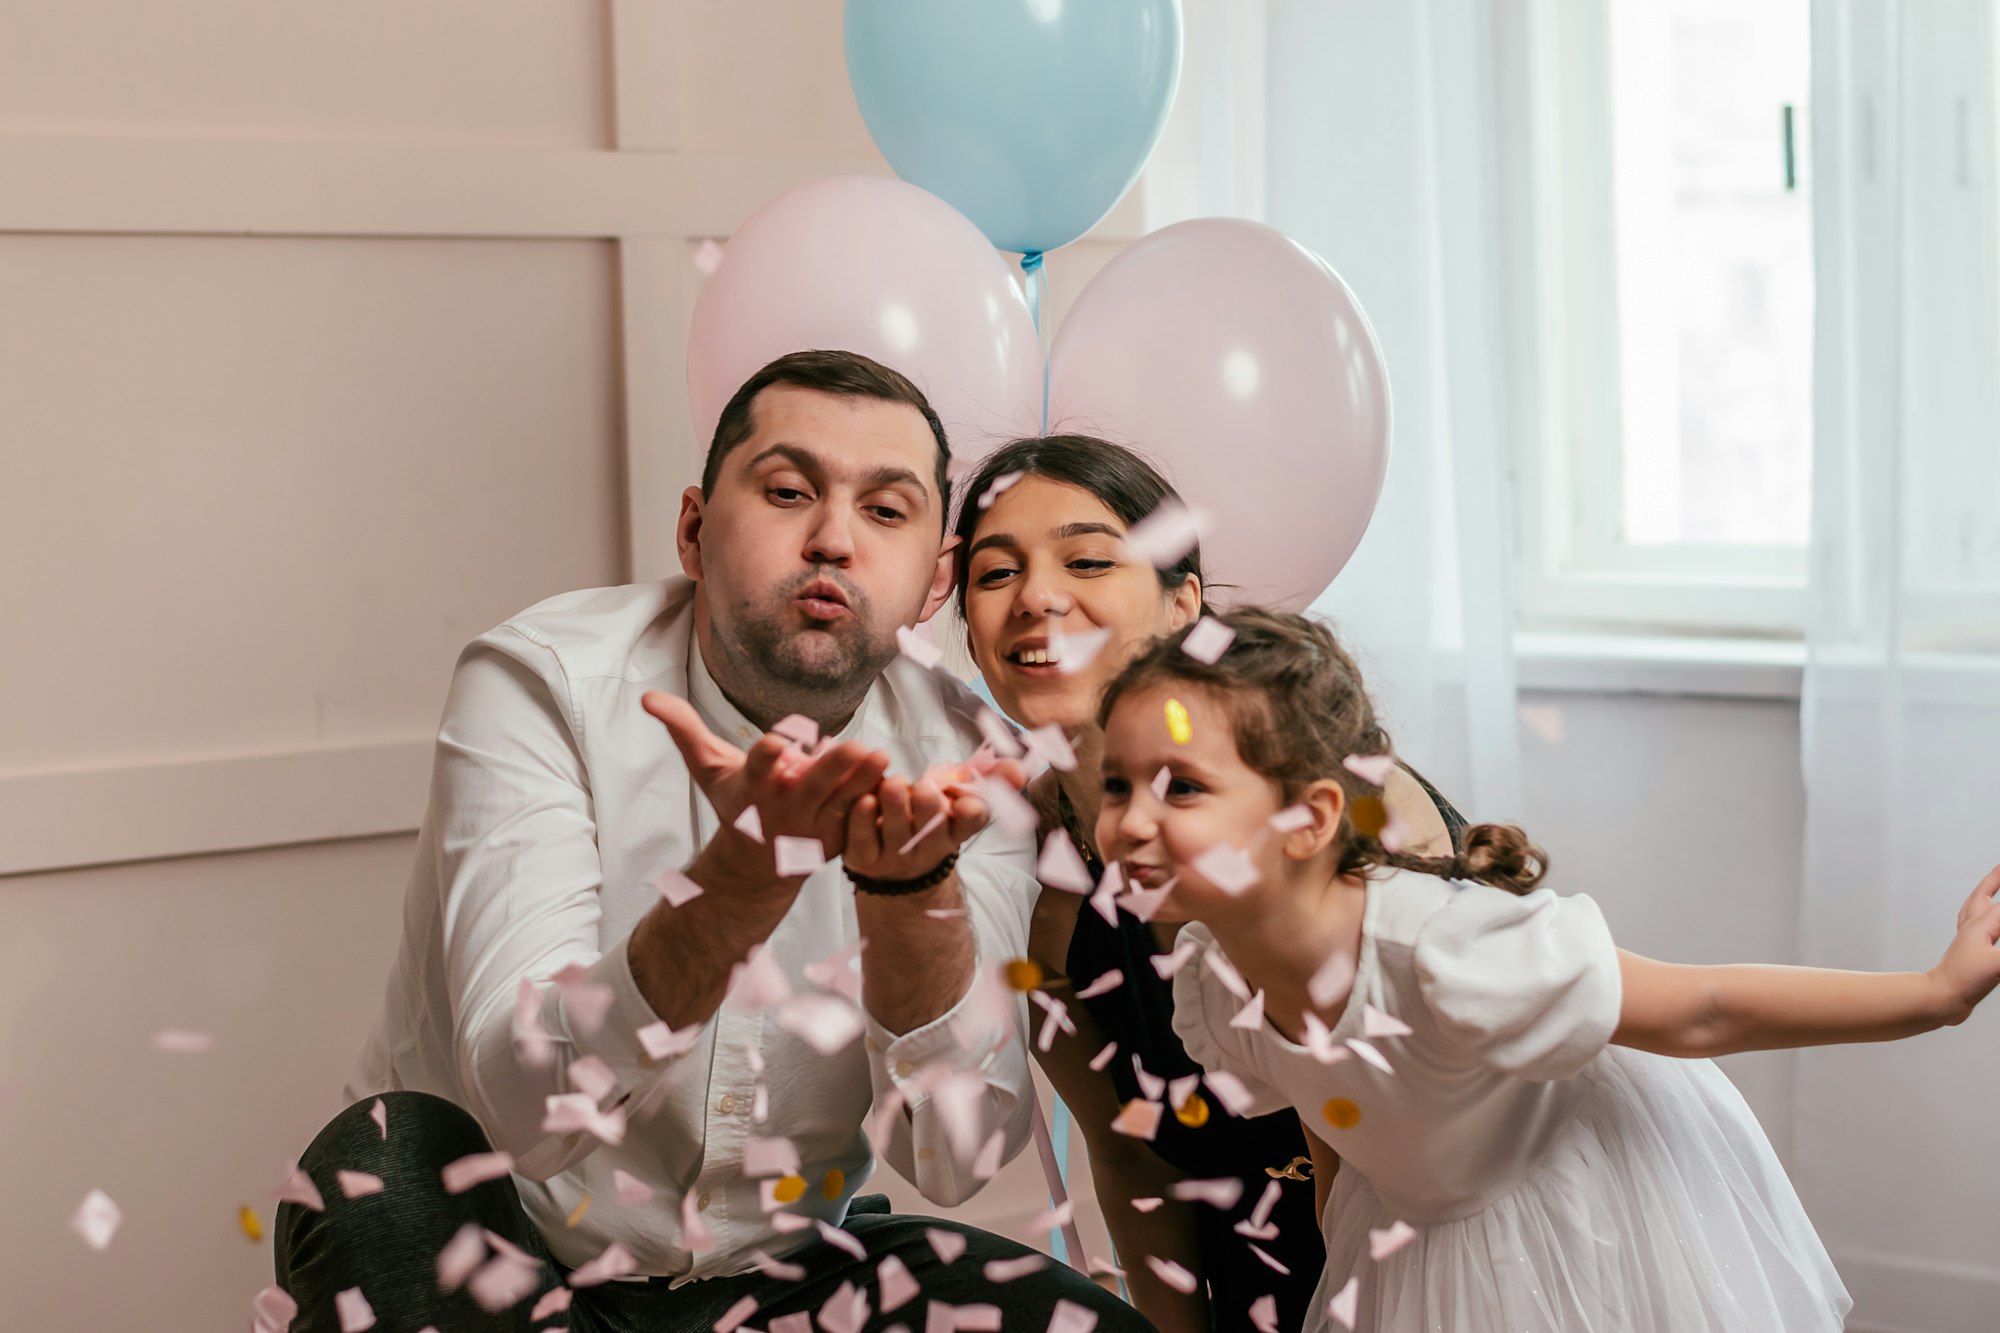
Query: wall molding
{"type": "Point", "coordinates": [1898, 1294]}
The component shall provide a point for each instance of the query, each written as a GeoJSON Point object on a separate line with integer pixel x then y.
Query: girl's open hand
{"type": "Point", "coordinates": [1971, 966]}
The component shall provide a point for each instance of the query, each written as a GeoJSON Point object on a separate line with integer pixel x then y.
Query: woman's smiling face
{"type": "Point", "coordinates": [1051, 556]}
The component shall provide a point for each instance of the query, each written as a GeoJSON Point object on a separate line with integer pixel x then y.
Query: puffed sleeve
{"type": "Point", "coordinates": [1203, 1007]}
{"type": "Point", "coordinates": [1526, 984]}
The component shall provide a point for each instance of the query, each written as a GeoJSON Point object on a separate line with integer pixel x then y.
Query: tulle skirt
{"type": "Point", "coordinates": [1661, 1209]}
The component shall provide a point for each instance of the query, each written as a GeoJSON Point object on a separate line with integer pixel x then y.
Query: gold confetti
{"type": "Point", "coordinates": [1023, 974]}
{"type": "Point", "coordinates": [1178, 725]}
{"type": "Point", "coordinates": [1370, 816]}
{"type": "Point", "coordinates": [576, 1213]}
{"type": "Point", "coordinates": [1299, 1168]}
{"type": "Point", "coordinates": [1342, 1113]}
{"type": "Point", "coordinates": [246, 1217]}
{"type": "Point", "coordinates": [835, 1182]}
{"type": "Point", "coordinates": [789, 1189]}
{"type": "Point", "coordinates": [1193, 1112]}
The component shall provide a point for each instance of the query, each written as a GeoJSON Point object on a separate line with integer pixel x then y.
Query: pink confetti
{"type": "Point", "coordinates": [531, 1037]}
{"type": "Point", "coordinates": [770, 1157]}
{"type": "Point", "coordinates": [841, 1240]}
{"type": "Point", "coordinates": [776, 1268]}
{"type": "Point", "coordinates": [948, 1244]}
{"type": "Point", "coordinates": [1208, 640]}
{"type": "Point", "coordinates": [584, 1000]}
{"type": "Point", "coordinates": [1259, 1226]}
{"type": "Point", "coordinates": [799, 729]}
{"type": "Point", "coordinates": [1151, 1086]}
{"type": "Point", "coordinates": [1230, 1090]}
{"type": "Point", "coordinates": [358, 1184]}
{"type": "Point", "coordinates": [631, 1190]}
{"type": "Point", "coordinates": [176, 1042]}
{"type": "Point", "coordinates": [356, 1315]}
{"type": "Point", "coordinates": [998, 735]}
{"type": "Point", "coordinates": [1106, 983]}
{"type": "Point", "coordinates": [1060, 866]}
{"type": "Point", "coordinates": [591, 1076]}
{"type": "Point", "coordinates": [1227, 868]}
{"type": "Point", "coordinates": [272, 1310]}
{"type": "Point", "coordinates": [1104, 899]}
{"type": "Point", "coordinates": [1166, 964]}
{"type": "Point", "coordinates": [1145, 903]}
{"type": "Point", "coordinates": [1074, 652]}
{"type": "Point", "coordinates": [1370, 768]}
{"type": "Point", "coordinates": [1264, 1314]}
{"type": "Point", "coordinates": [1319, 1042]}
{"type": "Point", "coordinates": [918, 647]}
{"type": "Point", "coordinates": [897, 1287]}
{"type": "Point", "coordinates": [1162, 537]}
{"type": "Point", "coordinates": [299, 1189]}
{"type": "Point", "coordinates": [987, 1164]}
{"type": "Point", "coordinates": [678, 889]}
{"type": "Point", "coordinates": [614, 1262]}
{"type": "Point", "coordinates": [1375, 1023]}
{"type": "Point", "coordinates": [463, 1253]}
{"type": "Point", "coordinates": [1220, 1193]}
{"type": "Point", "coordinates": [1103, 1057]}
{"type": "Point", "coordinates": [942, 1318]}
{"type": "Point", "coordinates": [1545, 720]}
{"type": "Point", "coordinates": [1140, 1120]}
{"type": "Point", "coordinates": [1057, 1018]}
{"type": "Point", "coordinates": [799, 1322]}
{"type": "Point", "coordinates": [1180, 1089]}
{"type": "Point", "coordinates": [1070, 1317]}
{"type": "Point", "coordinates": [505, 1281]}
{"type": "Point", "coordinates": [1006, 1270]}
{"type": "Point", "coordinates": [931, 826]}
{"type": "Point", "coordinates": [1148, 1204]}
{"type": "Point", "coordinates": [1258, 1250]}
{"type": "Point", "coordinates": [1053, 1219]}
{"type": "Point", "coordinates": [1291, 819]}
{"type": "Point", "coordinates": [998, 488]}
{"type": "Point", "coordinates": [1250, 1018]}
{"type": "Point", "coordinates": [1383, 1243]}
{"type": "Point", "coordinates": [1370, 1054]}
{"type": "Point", "coordinates": [1051, 745]}
{"type": "Point", "coordinates": [661, 1042]}
{"type": "Point", "coordinates": [826, 1023]}
{"type": "Point", "coordinates": [734, 1316]}
{"type": "Point", "coordinates": [798, 856]}
{"type": "Point", "coordinates": [554, 1301]}
{"type": "Point", "coordinates": [475, 1169]}
{"type": "Point", "coordinates": [758, 982]}
{"type": "Point", "coordinates": [1161, 781]}
{"type": "Point", "coordinates": [1171, 1273]}
{"type": "Point", "coordinates": [1226, 973]}
{"type": "Point", "coordinates": [577, 1113]}
{"type": "Point", "coordinates": [97, 1219]}
{"type": "Point", "coordinates": [1329, 985]}
{"type": "Point", "coordinates": [1011, 810]}
{"type": "Point", "coordinates": [707, 258]}
{"type": "Point", "coordinates": [379, 1113]}
{"type": "Point", "coordinates": [846, 1310]}
{"type": "Point", "coordinates": [1344, 1302]}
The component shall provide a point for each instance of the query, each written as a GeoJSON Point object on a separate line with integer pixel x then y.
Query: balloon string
{"type": "Point", "coordinates": [1038, 286]}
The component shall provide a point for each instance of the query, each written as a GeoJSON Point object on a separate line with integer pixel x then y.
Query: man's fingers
{"type": "Point", "coordinates": [864, 838]}
{"type": "Point", "coordinates": [827, 772]}
{"type": "Point", "coordinates": [706, 753]}
{"type": "Point", "coordinates": [858, 783]}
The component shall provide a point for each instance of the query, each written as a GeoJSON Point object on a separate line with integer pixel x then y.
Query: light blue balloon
{"type": "Point", "coordinates": [1031, 117]}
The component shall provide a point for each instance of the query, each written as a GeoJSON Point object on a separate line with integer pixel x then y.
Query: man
{"type": "Point", "coordinates": [588, 881]}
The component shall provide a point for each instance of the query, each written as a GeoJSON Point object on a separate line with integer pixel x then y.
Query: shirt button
{"type": "Point", "coordinates": [701, 1204]}
{"type": "Point", "coordinates": [904, 1069]}
{"type": "Point", "coordinates": [925, 1154]}
{"type": "Point", "coordinates": [728, 1104]}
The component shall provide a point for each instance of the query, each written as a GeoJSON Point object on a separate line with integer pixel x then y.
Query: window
{"type": "Point", "coordinates": [1656, 223]}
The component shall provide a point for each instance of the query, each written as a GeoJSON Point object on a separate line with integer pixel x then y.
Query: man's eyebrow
{"type": "Point", "coordinates": [810, 463]}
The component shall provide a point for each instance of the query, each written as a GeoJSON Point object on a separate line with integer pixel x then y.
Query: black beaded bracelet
{"type": "Point", "coordinates": [896, 888]}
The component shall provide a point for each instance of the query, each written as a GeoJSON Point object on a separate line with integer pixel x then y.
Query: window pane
{"type": "Point", "coordinates": [1715, 282]}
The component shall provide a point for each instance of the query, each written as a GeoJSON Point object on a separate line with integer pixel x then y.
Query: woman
{"type": "Point", "coordinates": [1043, 568]}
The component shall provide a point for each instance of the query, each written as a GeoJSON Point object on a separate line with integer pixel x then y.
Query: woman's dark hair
{"type": "Point", "coordinates": [846, 374]}
{"type": "Point", "coordinates": [1298, 708]}
{"type": "Point", "coordinates": [1127, 484]}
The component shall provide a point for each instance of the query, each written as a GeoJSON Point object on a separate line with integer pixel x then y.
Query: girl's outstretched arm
{"type": "Point", "coordinates": [1684, 1011]}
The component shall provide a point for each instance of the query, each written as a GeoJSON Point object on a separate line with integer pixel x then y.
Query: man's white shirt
{"type": "Point", "coordinates": [556, 802]}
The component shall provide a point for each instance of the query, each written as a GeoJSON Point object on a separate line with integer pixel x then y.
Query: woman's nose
{"type": "Point", "coordinates": [1039, 597]}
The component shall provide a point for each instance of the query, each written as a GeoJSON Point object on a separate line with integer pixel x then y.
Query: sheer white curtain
{"type": "Point", "coordinates": [1363, 130]}
{"type": "Point", "coordinates": [1894, 1145]}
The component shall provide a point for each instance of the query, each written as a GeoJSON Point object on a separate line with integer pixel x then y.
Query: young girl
{"type": "Point", "coordinates": [1534, 1162]}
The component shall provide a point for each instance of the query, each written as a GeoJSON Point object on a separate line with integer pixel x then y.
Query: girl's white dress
{"type": "Point", "coordinates": [1555, 1182]}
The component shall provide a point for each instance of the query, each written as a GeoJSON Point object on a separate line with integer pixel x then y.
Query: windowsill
{"type": "Point", "coordinates": [1611, 663]}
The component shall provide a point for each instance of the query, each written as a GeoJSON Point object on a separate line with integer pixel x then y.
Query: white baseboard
{"type": "Point", "coordinates": [1899, 1294]}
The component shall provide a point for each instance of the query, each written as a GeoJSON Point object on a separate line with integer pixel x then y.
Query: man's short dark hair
{"type": "Point", "coordinates": [849, 374]}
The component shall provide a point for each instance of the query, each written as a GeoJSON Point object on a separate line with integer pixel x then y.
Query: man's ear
{"type": "Point", "coordinates": [944, 577]}
{"type": "Point", "coordinates": [687, 533]}
{"type": "Point", "coordinates": [1326, 801]}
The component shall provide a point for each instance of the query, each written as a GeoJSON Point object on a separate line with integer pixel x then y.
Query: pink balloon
{"type": "Point", "coordinates": [883, 268]}
{"type": "Point", "coordinates": [1235, 358]}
